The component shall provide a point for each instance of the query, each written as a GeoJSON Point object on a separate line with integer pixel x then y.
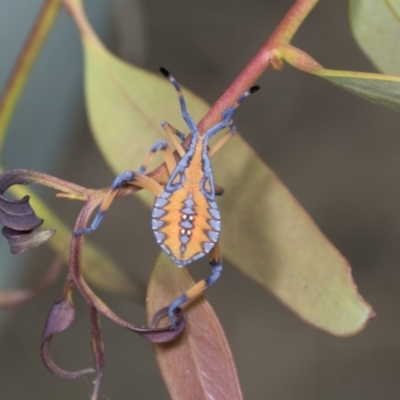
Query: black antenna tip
{"type": "Point", "coordinates": [254, 89]}
{"type": "Point", "coordinates": [164, 72]}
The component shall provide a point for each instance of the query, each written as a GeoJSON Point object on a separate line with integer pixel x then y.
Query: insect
{"type": "Point", "coordinates": [185, 217]}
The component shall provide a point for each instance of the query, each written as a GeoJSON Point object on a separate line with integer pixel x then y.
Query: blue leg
{"type": "Point", "coordinates": [195, 290]}
{"type": "Point", "coordinates": [160, 144]}
{"type": "Point", "coordinates": [128, 177]}
{"type": "Point", "coordinates": [175, 131]}
{"type": "Point", "coordinates": [121, 179]}
{"type": "Point", "coordinates": [228, 113]}
{"type": "Point", "coordinates": [169, 158]}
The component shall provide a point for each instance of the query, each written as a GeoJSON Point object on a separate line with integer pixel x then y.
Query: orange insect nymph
{"type": "Point", "coordinates": [185, 218]}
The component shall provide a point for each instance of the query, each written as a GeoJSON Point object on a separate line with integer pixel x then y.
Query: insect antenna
{"type": "Point", "coordinates": [186, 116]}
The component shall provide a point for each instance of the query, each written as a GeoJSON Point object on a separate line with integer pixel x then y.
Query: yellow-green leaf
{"type": "Point", "coordinates": [376, 27]}
{"type": "Point", "coordinates": [265, 232]}
{"type": "Point", "coordinates": [380, 89]}
{"type": "Point", "coordinates": [268, 236]}
{"type": "Point", "coordinates": [198, 364]}
{"type": "Point", "coordinates": [383, 90]}
{"type": "Point", "coordinates": [126, 104]}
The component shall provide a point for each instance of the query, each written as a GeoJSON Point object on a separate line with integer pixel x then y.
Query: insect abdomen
{"type": "Point", "coordinates": [186, 225]}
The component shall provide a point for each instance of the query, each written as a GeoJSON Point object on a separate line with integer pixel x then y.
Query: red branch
{"type": "Point", "coordinates": [282, 34]}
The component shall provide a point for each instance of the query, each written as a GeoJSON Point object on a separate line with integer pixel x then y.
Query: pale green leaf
{"type": "Point", "coordinates": [126, 106]}
{"type": "Point", "coordinates": [268, 236]}
{"type": "Point", "coordinates": [376, 27]}
{"type": "Point", "coordinates": [265, 232]}
{"type": "Point", "coordinates": [380, 89]}
{"type": "Point", "coordinates": [383, 90]}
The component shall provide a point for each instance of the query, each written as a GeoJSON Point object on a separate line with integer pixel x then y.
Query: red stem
{"type": "Point", "coordinates": [283, 33]}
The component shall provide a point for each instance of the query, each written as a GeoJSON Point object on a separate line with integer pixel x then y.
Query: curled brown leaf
{"type": "Point", "coordinates": [18, 217]}
{"type": "Point", "coordinates": [60, 318]}
{"type": "Point", "coordinates": [200, 364]}
{"type": "Point", "coordinates": [21, 241]}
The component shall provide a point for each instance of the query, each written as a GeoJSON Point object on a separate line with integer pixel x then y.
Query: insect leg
{"type": "Point", "coordinates": [219, 190]}
{"type": "Point", "coordinates": [173, 130]}
{"type": "Point", "coordinates": [216, 268]}
{"type": "Point", "coordinates": [227, 116]}
{"type": "Point", "coordinates": [166, 152]}
{"type": "Point", "coordinates": [173, 134]}
{"type": "Point", "coordinates": [128, 177]}
{"type": "Point", "coordinates": [188, 119]}
{"type": "Point", "coordinates": [121, 179]}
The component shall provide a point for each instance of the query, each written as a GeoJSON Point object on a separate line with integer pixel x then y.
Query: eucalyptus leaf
{"type": "Point", "coordinates": [376, 27]}
{"type": "Point", "coordinates": [383, 90]}
{"type": "Point", "coordinates": [126, 106]}
{"type": "Point", "coordinates": [265, 232]}
{"type": "Point", "coordinates": [269, 237]}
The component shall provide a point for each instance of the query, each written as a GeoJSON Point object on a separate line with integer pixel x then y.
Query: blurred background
{"type": "Point", "coordinates": [337, 154]}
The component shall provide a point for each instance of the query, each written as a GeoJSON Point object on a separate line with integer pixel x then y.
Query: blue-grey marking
{"type": "Point", "coordinates": [156, 224]}
{"type": "Point", "coordinates": [207, 246]}
{"type": "Point", "coordinates": [213, 204]}
{"type": "Point", "coordinates": [179, 170]}
{"type": "Point", "coordinates": [213, 236]}
{"type": "Point", "coordinates": [197, 256]}
{"type": "Point", "coordinates": [188, 210]}
{"type": "Point", "coordinates": [159, 236]}
{"type": "Point", "coordinates": [160, 202]}
{"type": "Point", "coordinates": [165, 195]}
{"type": "Point", "coordinates": [216, 225]}
{"type": "Point", "coordinates": [184, 239]}
{"type": "Point", "coordinates": [214, 213]}
{"type": "Point", "coordinates": [166, 249]}
{"type": "Point", "coordinates": [186, 224]}
{"type": "Point", "coordinates": [158, 213]}
{"type": "Point", "coordinates": [189, 202]}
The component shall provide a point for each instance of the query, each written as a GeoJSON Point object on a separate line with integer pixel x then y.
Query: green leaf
{"type": "Point", "coordinates": [199, 364]}
{"type": "Point", "coordinates": [383, 90]}
{"type": "Point", "coordinates": [119, 97]}
{"type": "Point", "coordinates": [380, 89]}
{"type": "Point", "coordinates": [376, 27]}
{"type": "Point", "coordinates": [268, 236]}
{"type": "Point", "coordinates": [265, 232]}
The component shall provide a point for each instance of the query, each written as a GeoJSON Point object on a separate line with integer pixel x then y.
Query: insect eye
{"type": "Point", "coordinates": [188, 232]}
{"type": "Point", "coordinates": [184, 216]}
{"type": "Point", "coordinates": [183, 231]}
{"type": "Point", "coordinates": [191, 218]}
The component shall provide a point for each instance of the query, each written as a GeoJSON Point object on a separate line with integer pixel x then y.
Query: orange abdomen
{"type": "Point", "coordinates": [186, 224]}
